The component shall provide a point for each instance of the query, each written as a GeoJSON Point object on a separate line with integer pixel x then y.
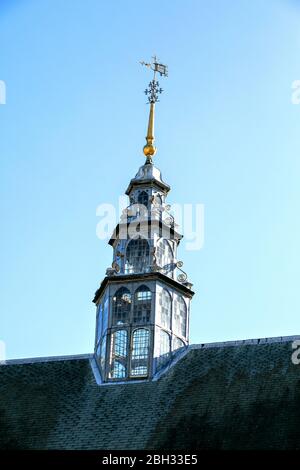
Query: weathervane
{"type": "Point", "coordinates": [153, 88]}
{"type": "Point", "coordinates": [152, 93]}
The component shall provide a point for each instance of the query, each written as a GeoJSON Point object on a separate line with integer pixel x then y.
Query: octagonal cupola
{"type": "Point", "coordinates": [143, 303]}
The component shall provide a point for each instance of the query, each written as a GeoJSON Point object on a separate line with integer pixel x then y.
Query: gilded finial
{"type": "Point", "coordinates": [152, 93]}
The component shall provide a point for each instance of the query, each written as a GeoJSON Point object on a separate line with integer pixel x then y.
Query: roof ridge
{"type": "Point", "coordinates": [221, 344]}
{"type": "Point", "coordinates": [31, 360]}
{"type": "Point", "coordinates": [268, 340]}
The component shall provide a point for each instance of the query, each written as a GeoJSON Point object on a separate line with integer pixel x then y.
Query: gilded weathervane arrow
{"type": "Point", "coordinates": [152, 92]}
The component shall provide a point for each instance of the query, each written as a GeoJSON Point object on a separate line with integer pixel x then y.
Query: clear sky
{"type": "Point", "coordinates": [71, 138]}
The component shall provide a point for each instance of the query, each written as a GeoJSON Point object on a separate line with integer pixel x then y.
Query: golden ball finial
{"type": "Point", "coordinates": [149, 150]}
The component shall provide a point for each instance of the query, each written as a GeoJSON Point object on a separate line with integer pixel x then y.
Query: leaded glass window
{"type": "Point", "coordinates": [98, 351]}
{"type": "Point", "coordinates": [164, 254]}
{"type": "Point", "coordinates": [165, 303]}
{"type": "Point", "coordinates": [99, 322]}
{"type": "Point", "coordinates": [140, 352]}
{"type": "Point", "coordinates": [142, 305]}
{"type": "Point", "coordinates": [103, 354]}
{"type": "Point", "coordinates": [137, 256]}
{"type": "Point", "coordinates": [180, 311]}
{"type": "Point", "coordinates": [105, 314]}
{"type": "Point", "coordinates": [164, 349]}
{"type": "Point", "coordinates": [119, 354]}
{"type": "Point", "coordinates": [143, 198]}
{"type": "Point", "coordinates": [119, 370]}
{"type": "Point", "coordinates": [177, 344]}
{"type": "Point", "coordinates": [121, 306]}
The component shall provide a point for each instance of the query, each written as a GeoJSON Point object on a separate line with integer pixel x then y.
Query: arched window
{"type": "Point", "coordinates": [137, 256]}
{"type": "Point", "coordinates": [164, 349]}
{"type": "Point", "coordinates": [119, 354]}
{"type": "Point", "coordinates": [164, 253]}
{"type": "Point", "coordinates": [140, 352]}
{"type": "Point", "coordinates": [179, 325]}
{"type": "Point", "coordinates": [121, 306]}
{"type": "Point", "coordinates": [165, 303]}
{"type": "Point", "coordinates": [142, 305]}
{"type": "Point", "coordinates": [143, 198]}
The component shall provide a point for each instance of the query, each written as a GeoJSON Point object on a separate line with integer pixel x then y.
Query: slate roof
{"type": "Point", "coordinates": [243, 395]}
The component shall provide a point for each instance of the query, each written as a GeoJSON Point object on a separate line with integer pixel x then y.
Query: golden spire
{"type": "Point", "coordinates": [149, 149]}
{"type": "Point", "coordinates": [152, 92]}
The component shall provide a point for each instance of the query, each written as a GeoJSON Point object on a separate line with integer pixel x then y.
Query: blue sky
{"type": "Point", "coordinates": [71, 137]}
